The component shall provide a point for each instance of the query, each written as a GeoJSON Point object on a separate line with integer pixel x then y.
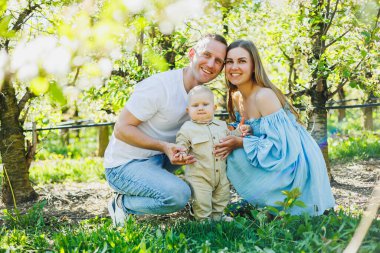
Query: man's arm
{"type": "Point", "coordinates": [127, 131]}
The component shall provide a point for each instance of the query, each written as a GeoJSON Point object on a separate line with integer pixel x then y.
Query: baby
{"type": "Point", "coordinates": [207, 176]}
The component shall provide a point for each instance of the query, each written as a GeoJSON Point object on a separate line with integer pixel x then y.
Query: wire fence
{"type": "Point", "coordinates": [220, 115]}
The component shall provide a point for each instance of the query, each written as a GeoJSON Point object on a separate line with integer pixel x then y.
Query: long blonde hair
{"type": "Point", "coordinates": [259, 76]}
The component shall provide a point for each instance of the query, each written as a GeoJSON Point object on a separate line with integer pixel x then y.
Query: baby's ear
{"type": "Point", "coordinates": [215, 106]}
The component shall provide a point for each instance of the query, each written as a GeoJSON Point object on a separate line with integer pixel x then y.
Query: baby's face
{"type": "Point", "coordinates": [201, 107]}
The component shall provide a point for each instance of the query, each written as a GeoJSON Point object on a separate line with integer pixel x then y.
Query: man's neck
{"type": "Point", "coordinates": [188, 79]}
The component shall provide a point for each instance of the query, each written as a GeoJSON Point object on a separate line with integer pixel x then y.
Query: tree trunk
{"type": "Point", "coordinates": [341, 112]}
{"type": "Point", "coordinates": [368, 114]}
{"type": "Point", "coordinates": [368, 118]}
{"type": "Point", "coordinates": [318, 121]}
{"type": "Point", "coordinates": [16, 184]}
{"type": "Point", "coordinates": [140, 45]}
{"type": "Point", "coordinates": [167, 46]}
{"type": "Point", "coordinates": [319, 90]}
{"type": "Point", "coordinates": [103, 139]}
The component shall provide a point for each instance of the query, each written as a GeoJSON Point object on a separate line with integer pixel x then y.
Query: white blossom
{"type": "Point", "coordinates": [166, 27]}
{"type": "Point", "coordinates": [58, 62]}
{"type": "Point", "coordinates": [135, 6]}
{"type": "Point", "coordinates": [178, 12]}
{"type": "Point", "coordinates": [105, 66]}
{"type": "Point", "coordinates": [81, 60]}
{"type": "Point", "coordinates": [32, 52]}
{"type": "Point", "coordinates": [27, 72]}
{"type": "Point", "coordinates": [183, 9]}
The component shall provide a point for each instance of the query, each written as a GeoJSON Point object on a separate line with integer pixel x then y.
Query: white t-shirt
{"type": "Point", "coordinates": [160, 102]}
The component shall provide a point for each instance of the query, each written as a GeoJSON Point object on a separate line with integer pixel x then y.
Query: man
{"type": "Point", "coordinates": [141, 153]}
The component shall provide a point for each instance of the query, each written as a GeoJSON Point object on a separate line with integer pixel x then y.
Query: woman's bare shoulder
{"type": "Point", "coordinates": [267, 101]}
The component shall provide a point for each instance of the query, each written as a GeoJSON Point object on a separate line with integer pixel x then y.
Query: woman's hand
{"type": "Point", "coordinates": [177, 154]}
{"type": "Point", "coordinates": [227, 145]}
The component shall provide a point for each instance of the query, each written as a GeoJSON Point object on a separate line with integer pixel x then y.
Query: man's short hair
{"type": "Point", "coordinates": [199, 89]}
{"type": "Point", "coordinates": [217, 37]}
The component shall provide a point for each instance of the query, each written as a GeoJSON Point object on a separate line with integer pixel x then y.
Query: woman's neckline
{"type": "Point", "coordinates": [273, 113]}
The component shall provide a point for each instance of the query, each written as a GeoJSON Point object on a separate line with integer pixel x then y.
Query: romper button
{"type": "Point", "coordinates": [217, 170]}
{"type": "Point", "coordinates": [216, 159]}
{"type": "Point", "coordinates": [213, 137]}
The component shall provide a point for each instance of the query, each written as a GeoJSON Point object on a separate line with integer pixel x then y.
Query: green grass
{"type": "Point", "coordinates": [74, 144]}
{"type": "Point", "coordinates": [253, 233]}
{"type": "Point", "coordinates": [354, 148]}
{"type": "Point", "coordinates": [67, 170]}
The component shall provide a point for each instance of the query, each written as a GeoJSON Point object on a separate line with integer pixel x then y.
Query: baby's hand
{"type": "Point", "coordinates": [181, 155]}
{"type": "Point", "coordinates": [245, 130]}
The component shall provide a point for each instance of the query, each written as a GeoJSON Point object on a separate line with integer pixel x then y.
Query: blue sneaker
{"type": "Point", "coordinates": [116, 212]}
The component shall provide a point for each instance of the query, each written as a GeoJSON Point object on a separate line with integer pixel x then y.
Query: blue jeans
{"type": "Point", "coordinates": [148, 186]}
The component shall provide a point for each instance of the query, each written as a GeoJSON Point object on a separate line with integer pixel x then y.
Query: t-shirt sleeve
{"type": "Point", "coordinates": [146, 99]}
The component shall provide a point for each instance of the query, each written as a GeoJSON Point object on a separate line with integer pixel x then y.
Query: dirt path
{"type": "Point", "coordinates": [73, 202]}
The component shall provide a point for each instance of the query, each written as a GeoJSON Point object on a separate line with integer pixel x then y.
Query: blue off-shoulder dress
{"type": "Point", "coordinates": [280, 155]}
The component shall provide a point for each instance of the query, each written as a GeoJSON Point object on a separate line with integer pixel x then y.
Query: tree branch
{"type": "Point", "coordinates": [119, 72]}
{"type": "Point", "coordinates": [298, 93]}
{"type": "Point", "coordinates": [22, 120]}
{"type": "Point", "coordinates": [342, 35]}
{"type": "Point", "coordinates": [291, 68]}
{"type": "Point", "coordinates": [332, 17]}
{"type": "Point", "coordinates": [27, 96]}
{"type": "Point", "coordinates": [344, 81]}
{"type": "Point", "coordinates": [22, 18]}
{"type": "Point", "coordinates": [75, 77]}
{"type": "Point", "coordinates": [328, 8]}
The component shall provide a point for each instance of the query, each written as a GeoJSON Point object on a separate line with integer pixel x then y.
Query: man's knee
{"type": "Point", "coordinates": [178, 198]}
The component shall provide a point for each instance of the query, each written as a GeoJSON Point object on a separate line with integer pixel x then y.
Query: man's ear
{"type": "Point", "coordinates": [191, 53]}
{"type": "Point", "coordinates": [187, 109]}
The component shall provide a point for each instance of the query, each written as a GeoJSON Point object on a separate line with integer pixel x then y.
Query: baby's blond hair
{"type": "Point", "coordinates": [200, 89]}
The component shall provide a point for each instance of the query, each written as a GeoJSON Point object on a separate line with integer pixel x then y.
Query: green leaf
{"type": "Point", "coordinates": [285, 193]}
{"type": "Point", "coordinates": [290, 201]}
{"type": "Point", "coordinates": [346, 73]}
{"type": "Point", "coordinates": [56, 93]}
{"type": "Point", "coordinates": [353, 84]}
{"type": "Point", "coordinates": [299, 203]}
{"type": "Point", "coordinates": [4, 27]}
{"type": "Point", "coordinates": [157, 61]}
{"type": "Point", "coordinates": [272, 209]}
{"type": "Point", "coordinates": [39, 85]}
{"type": "Point", "coordinates": [3, 7]}
{"type": "Point", "coordinates": [280, 203]}
{"type": "Point", "coordinates": [366, 34]}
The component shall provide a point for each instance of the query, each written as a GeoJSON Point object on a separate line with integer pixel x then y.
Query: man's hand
{"type": "Point", "coordinates": [227, 145]}
{"type": "Point", "coordinates": [177, 154]}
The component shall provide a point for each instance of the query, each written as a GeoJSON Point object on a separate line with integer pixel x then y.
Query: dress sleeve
{"type": "Point", "coordinates": [183, 139]}
{"type": "Point", "coordinates": [279, 147]}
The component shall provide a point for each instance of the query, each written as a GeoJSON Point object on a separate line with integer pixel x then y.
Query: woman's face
{"type": "Point", "coordinates": [239, 66]}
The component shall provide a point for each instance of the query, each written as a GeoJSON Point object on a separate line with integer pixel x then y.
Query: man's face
{"type": "Point", "coordinates": [207, 60]}
{"type": "Point", "coordinates": [201, 107]}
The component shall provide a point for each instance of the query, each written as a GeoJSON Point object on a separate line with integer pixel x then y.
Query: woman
{"type": "Point", "coordinates": [280, 154]}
